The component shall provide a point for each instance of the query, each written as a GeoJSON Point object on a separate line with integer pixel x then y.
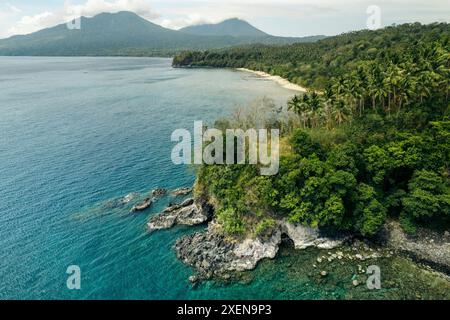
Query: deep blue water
{"type": "Point", "coordinates": [77, 133]}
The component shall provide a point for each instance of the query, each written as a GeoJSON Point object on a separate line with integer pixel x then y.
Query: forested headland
{"type": "Point", "coordinates": [368, 143]}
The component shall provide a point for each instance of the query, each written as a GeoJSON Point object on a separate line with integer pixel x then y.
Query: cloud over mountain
{"type": "Point", "coordinates": [45, 19]}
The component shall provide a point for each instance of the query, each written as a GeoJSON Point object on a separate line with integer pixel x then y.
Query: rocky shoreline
{"type": "Point", "coordinates": [213, 255]}
{"type": "Point", "coordinates": [189, 213]}
{"type": "Point", "coordinates": [428, 247]}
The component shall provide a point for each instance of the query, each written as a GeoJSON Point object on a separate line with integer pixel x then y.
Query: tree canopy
{"type": "Point", "coordinates": [368, 142]}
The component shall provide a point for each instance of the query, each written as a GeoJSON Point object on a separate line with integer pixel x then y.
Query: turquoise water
{"type": "Point", "coordinates": [77, 133]}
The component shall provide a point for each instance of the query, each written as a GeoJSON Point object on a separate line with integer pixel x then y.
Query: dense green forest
{"type": "Point", "coordinates": [370, 142]}
{"type": "Point", "coordinates": [314, 64]}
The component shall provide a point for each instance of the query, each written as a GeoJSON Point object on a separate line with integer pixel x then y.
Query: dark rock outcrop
{"type": "Point", "coordinates": [159, 192]}
{"type": "Point", "coordinates": [214, 255]}
{"type": "Point", "coordinates": [426, 246]}
{"type": "Point", "coordinates": [188, 213]}
{"type": "Point", "coordinates": [181, 192]}
{"type": "Point", "coordinates": [147, 203]}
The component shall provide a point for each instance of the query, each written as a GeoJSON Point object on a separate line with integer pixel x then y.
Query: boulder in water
{"type": "Point", "coordinates": [142, 206]}
{"type": "Point", "coordinates": [188, 213]}
{"type": "Point", "coordinates": [159, 192]}
{"type": "Point", "coordinates": [181, 192]}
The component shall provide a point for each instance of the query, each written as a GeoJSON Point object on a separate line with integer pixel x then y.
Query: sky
{"type": "Point", "coordinates": [276, 17]}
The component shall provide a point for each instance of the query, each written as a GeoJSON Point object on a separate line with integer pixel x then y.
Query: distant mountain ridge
{"type": "Point", "coordinates": [127, 34]}
{"type": "Point", "coordinates": [231, 27]}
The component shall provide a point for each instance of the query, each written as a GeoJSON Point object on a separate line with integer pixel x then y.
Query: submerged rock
{"type": "Point", "coordinates": [127, 199]}
{"type": "Point", "coordinates": [193, 279]}
{"type": "Point", "coordinates": [181, 192]}
{"type": "Point", "coordinates": [147, 203]}
{"type": "Point", "coordinates": [142, 206]}
{"type": "Point", "coordinates": [188, 213]}
{"type": "Point", "coordinates": [159, 192]}
{"type": "Point", "coordinates": [119, 202]}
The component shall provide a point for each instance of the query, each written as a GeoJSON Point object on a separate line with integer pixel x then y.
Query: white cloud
{"type": "Point", "coordinates": [93, 7]}
{"type": "Point", "coordinates": [213, 10]}
{"type": "Point", "coordinates": [29, 24]}
{"type": "Point", "coordinates": [189, 20]}
{"type": "Point", "coordinates": [299, 17]}
{"type": "Point", "coordinates": [12, 9]}
{"type": "Point", "coordinates": [8, 14]}
{"type": "Point", "coordinates": [178, 14]}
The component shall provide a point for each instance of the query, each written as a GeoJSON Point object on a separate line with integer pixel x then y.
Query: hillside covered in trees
{"type": "Point", "coordinates": [127, 34]}
{"type": "Point", "coordinates": [314, 64]}
{"type": "Point", "coordinates": [369, 142]}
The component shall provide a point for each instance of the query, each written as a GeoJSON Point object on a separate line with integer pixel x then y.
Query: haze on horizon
{"type": "Point", "coordinates": [276, 17]}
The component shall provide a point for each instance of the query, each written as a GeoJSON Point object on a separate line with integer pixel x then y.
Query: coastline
{"type": "Point", "coordinates": [281, 81]}
{"type": "Point", "coordinates": [213, 255]}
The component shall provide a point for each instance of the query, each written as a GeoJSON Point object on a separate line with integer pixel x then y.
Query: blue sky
{"type": "Point", "coordinates": [277, 17]}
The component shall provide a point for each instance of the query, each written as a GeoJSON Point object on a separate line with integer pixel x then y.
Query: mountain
{"type": "Point", "coordinates": [127, 34]}
{"type": "Point", "coordinates": [232, 27]}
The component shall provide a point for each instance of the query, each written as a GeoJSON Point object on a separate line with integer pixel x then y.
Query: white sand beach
{"type": "Point", "coordinates": [281, 81]}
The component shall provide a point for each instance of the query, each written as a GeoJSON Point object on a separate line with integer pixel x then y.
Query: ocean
{"type": "Point", "coordinates": [79, 134]}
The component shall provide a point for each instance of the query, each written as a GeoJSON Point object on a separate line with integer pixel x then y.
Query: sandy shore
{"type": "Point", "coordinates": [281, 81]}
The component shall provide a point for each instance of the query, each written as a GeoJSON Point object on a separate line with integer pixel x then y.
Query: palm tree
{"type": "Point", "coordinates": [372, 90]}
{"type": "Point", "coordinates": [349, 89]}
{"type": "Point", "coordinates": [391, 82]}
{"type": "Point", "coordinates": [305, 109]}
{"type": "Point", "coordinates": [424, 84]}
{"type": "Point", "coordinates": [406, 90]}
{"type": "Point", "coordinates": [328, 101]}
{"type": "Point", "coordinates": [377, 87]}
{"type": "Point", "coordinates": [339, 86]}
{"type": "Point", "coordinates": [301, 107]}
{"type": "Point", "coordinates": [363, 82]}
{"type": "Point", "coordinates": [314, 104]}
{"type": "Point", "coordinates": [443, 70]}
{"type": "Point", "coordinates": [340, 111]}
{"type": "Point", "coordinates": [294, 104]}
{"type": "Point", "coordinates": [381, 93]}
